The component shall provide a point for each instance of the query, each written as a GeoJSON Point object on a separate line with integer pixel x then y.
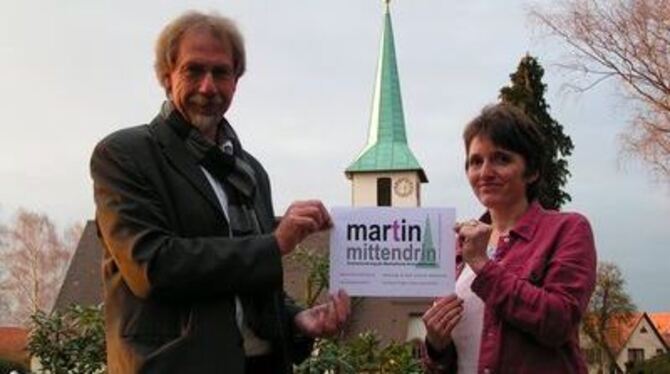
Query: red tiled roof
{"type": "Point", "coordinates": [662, 322]}
{"type": "Point", "coordinates": [13, 344]}
{"type": "Point", "coordinates": [621, 328]}
{"type": "Point", "coordinates": [619, 331]}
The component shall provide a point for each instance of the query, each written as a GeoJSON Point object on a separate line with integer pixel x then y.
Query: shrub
{"type": "Point", "coordinates": [658, 364]}
{"type": "Point", "coordinates": [362, 354]}
{"type": "Point", "coordinates": [69, 342]}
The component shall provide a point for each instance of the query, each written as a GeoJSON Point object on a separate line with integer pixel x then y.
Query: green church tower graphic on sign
{"type": "Point", "coordinates": [428, 251]}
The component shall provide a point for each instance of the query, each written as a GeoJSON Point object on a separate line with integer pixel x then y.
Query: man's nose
{"type": "Point", "coordinates": [207, 86]}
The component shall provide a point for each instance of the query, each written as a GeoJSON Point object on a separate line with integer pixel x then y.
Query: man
{"type": "Point", "coordinates": [192, 262]}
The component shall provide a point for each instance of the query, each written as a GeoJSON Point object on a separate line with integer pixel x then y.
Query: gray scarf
{"type": "Point", "coordinates": [227, 163]}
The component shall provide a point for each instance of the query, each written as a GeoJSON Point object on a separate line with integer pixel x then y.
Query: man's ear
{"type": "Point", "coordinates": [167, 84]}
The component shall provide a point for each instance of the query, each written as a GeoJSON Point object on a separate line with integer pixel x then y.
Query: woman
{"type": "Point", "coordinates": [525, 274]}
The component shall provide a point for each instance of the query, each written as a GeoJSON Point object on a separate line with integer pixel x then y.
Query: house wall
{"type": "Point", "coordinates": [648, 341]}
{"type": "Point", "coordinates": [596, 359]}
{"type": "Point", "coordinates": [389, 317]}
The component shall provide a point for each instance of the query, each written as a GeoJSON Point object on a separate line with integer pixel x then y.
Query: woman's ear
{"type": "Point", "coordinates": [533, 177]}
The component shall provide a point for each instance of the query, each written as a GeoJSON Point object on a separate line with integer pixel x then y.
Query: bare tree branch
{"type": "Point", "coordinates": [628, 40]}
{"type": "Point", "coordinates": [35, 257]}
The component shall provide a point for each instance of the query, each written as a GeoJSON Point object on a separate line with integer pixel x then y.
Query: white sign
{"type": "Point", "coordinates": [393, 252]}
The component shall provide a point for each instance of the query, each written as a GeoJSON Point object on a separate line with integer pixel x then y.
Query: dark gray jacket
{"type": "Point", "coordinates": [170, 270]}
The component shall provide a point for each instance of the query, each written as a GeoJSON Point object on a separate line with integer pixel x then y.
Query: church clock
{"type": "Point", "coordinates": [403, 187]}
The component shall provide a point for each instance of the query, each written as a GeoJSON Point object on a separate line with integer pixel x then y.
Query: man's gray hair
{"type": "Point", "coordinates": [223, 28]}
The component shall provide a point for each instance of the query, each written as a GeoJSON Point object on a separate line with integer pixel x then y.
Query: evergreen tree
{"type": "Point", "coordinates": [527, 92]}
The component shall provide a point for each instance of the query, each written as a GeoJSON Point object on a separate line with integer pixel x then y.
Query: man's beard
{"type": "Point", "coordinates": [205, 121]}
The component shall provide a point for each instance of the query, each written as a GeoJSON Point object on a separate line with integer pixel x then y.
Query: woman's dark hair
{"type": "Point", "coordinates": [509, 128]}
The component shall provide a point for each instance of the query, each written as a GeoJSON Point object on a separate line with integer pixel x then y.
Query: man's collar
{"type": "Point", "coordinates": [174, 119]}
{"type": "Point", "coordinates": [166, 109]}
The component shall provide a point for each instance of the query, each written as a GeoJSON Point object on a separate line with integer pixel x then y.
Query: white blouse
{"type": "Point", "coordinates": [467, 334]}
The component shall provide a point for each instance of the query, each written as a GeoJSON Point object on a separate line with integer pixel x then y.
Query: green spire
{"type": "Point", "coordinates": [387, 148]}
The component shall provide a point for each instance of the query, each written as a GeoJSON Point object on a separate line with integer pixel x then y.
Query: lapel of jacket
{"type": "Point", "coordinates": [177, 154]}
{"type": "Point", "coordinates": [262, 215]}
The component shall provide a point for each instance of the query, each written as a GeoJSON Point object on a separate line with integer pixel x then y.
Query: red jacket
{"type": "Point", "coordinates": [535, 294]}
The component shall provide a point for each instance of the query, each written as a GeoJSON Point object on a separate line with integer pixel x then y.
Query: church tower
{"type": "Point", "coordinates": [386, 173]}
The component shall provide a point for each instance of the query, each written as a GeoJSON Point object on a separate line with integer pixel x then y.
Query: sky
{"type": "Point", "coordinates": [74, 71]}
